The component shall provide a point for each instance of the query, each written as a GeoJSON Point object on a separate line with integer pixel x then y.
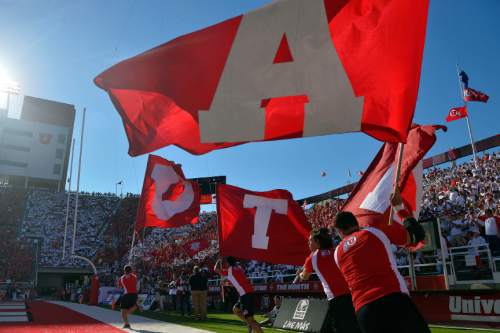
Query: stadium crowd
{"type": "Point", "coordinates": [45, 216]}
{"type": "Point", "coordinates": [459, 195]}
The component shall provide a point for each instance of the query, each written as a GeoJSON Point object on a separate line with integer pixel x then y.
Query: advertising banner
{"type": "Point", "coordinates": [304, 315]}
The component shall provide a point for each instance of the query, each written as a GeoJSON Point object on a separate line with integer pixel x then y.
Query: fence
{"type": "Point", "coordinates": [465, 265]}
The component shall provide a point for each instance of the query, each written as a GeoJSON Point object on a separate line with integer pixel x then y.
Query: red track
{"type": "Point", "coordinates": [51, 318]}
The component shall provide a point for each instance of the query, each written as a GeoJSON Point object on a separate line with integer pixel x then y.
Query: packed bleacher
{"type": "Point", "coordinates": [45, 218]}
{"type": "Point", "coordinates": [458, 195]}
{"type": "Point", "coordinates": [16, 256]}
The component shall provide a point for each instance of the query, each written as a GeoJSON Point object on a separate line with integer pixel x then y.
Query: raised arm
{"type": "Point", "coordinates": [416, 232]}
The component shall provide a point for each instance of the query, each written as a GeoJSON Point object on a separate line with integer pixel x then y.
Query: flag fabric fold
{"type": "Point", "coordinates": [471, 95]}
{"type": "Point", "coordinates": [168, 200]}
{"type": "Point", "coordinates": [355, 67]}
{"type": "Point", "coordinates": [456, 113]}
{"type": "Point", "coordinates": [370, 199]}
{"type": "Point", "coordinates": [266, 226]}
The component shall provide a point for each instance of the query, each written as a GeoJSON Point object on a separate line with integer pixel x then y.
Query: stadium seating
{"type": "Point", "coordinates": [458, 195]}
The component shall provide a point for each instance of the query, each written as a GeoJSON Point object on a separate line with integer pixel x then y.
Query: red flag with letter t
{"type": "Point", "coordinates": [370, 199]}
{"type": "Point", "coordinates": [456, 113]}
{"type": "Point", "coordinates": [168, 200]}
{"type": "Point", "coordinates": [291, 69]}
{"type": "Point", "coordinates": [265, 226]}
{"type": "Point", "coordinates": [195, 246]}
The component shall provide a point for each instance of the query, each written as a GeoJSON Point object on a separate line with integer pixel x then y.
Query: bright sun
{"type": "Point", "coordinates": [4, 76]}
{"type": "Point", "coordinates": [6, 83]}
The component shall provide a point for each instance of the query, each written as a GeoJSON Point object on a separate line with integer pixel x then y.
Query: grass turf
{"type": "Point", "coordinates": [229, 323]}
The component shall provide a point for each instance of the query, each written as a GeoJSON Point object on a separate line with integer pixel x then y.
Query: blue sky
{"type": "Point", "coordinates": [54, 49]}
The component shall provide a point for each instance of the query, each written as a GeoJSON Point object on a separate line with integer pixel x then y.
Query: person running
{"type": "Point", "coordinates": [380, 295]}
{"type": "Point", "coordinates": [244, 308]}
{"type": "Point", "coordinates": [128, 302]}
{"type": "Point", "coordinates": [341, 317]}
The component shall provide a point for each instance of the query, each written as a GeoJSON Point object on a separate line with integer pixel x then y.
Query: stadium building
{"type": "Point", "coordinates": [35, 149]}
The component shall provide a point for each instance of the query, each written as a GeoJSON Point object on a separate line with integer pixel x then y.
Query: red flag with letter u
{"type": "Point", "coordinates": [291, 69]}
{"type": "Point", "coordinates": [195, 246]}
{"type": "Point", "coordinates": [370, 199]}
{"type": "Point", "coordinates": [456, 113]}
{"type": "Point", "coordinates": [266, 226]}
{"type": "Point", "coordinates": [168, 200]}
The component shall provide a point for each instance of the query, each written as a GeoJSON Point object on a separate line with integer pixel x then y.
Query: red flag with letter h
{"type": "Point", "coordinates": [291, 69]}
{"type": "Point", "coordinates": [370, 199]}
{"type": "Point", "coordinates": [168, 200]}
{"type": "Point", "coordinates": [266, 226]}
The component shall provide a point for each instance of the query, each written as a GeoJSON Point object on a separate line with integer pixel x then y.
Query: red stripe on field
{"type": "Point", "coordinates": [51, 318]}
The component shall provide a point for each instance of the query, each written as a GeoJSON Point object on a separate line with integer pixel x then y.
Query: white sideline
{"type": "Point", "coordinates": [138, 323]}
{"type": "Point", "coordinates": [13, 319]}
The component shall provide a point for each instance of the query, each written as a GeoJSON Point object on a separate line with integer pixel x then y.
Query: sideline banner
{"type": "Point", "coordinates": [311, 287]}
{"type": "Point", "coordinates": [145, 301]}
{"type": "Point", "coordinates": [304, 315]}
{"type": "Point", "coordinates": [107, 294]}
{"type": "Point", "coordinates": [472, 307]}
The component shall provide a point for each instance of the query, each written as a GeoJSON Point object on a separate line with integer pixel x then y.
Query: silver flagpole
{"type": "Point", "coordinates": [78, 183]}
{"type": "Point", "coordinates": [131, 248]}
{"type": "Point", "coordinates": [69, 196]}
{"type": "Point", "coordinates": [413, 276]}
{"type": "Point", "coordinates": [443, 256]}
{"type": "Point", "coordinates": [462, 92]}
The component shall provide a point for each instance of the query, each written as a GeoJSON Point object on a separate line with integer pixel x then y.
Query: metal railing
{"type": "Point", "coordinates": [472, 264]}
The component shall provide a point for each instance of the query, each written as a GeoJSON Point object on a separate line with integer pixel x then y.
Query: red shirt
{"type": "Point", "coordinates": [368, 265]}
{"type": "Point", "coordinates": [129, 283]}
{"type": "Point", "coordinates": [238, 279]}
{"type": "Point", "coordinates": [323, 263]}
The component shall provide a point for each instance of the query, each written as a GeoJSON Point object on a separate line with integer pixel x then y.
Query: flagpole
{"type": "Point", "coordinates": [218, 244]}
{"type": "Point", "coordinates": [398, 174]}
{"type": "Point", "coordinates": [469, 128]}
{"type": "Point", "coordinates": [413, 277]}
{"type": "Point", "coordinates": [137, 214]}
{"type": "Point", "coordinates": [78, 183]}
{"type": "Point", "coordinates": [443, 256]}
{"type": "Point", "coordinates": [471, 138]}
{"type": "Point", "coordinates": [69, 196]}
{"type": "Point", "coordinates": [131, 247]}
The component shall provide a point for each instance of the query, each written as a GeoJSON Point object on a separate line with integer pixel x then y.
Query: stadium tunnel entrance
{"type": "Point", "coordinates": [58, 277]}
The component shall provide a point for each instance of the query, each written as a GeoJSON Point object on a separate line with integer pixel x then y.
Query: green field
{"type": "Point", "coordinates": [228, 323]}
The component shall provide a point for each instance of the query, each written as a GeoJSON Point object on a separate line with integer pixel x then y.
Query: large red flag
{"type": "Point", "coordinates": [265, 226]}
{"type": "Point", "coordinates": [291, 69]}
{"type": "Point", "coordinates": [456, 113]}
{"type": "Point", "coordinates": [168, 200]}
{"type": "Point", "coordinates": [370, 199]}
{"type": "Point", "coordinates": [195, 246]}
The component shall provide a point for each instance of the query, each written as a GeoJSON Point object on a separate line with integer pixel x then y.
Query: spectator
{"type": "Point", "coordinates": [199, 287]}
{"type": "Point", "coordinates": [183, 294]}
{"type": "Point", "coordinates": [491, 231]}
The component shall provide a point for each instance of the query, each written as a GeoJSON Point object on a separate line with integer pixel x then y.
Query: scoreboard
{"type": "Point", "coordinates": [208, 186]}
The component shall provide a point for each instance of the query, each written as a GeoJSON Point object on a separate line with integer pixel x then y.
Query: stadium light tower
{"type": "Point", "coordinates": [7, 87]}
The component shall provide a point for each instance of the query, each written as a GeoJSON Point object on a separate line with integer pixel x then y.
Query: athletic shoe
{"type": "Point", "coordinates": [127, 326]}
